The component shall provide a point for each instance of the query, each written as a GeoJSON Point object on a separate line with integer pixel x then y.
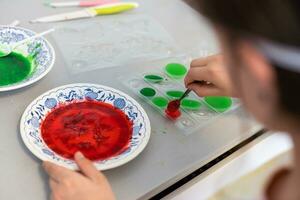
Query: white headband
{"type": "Point", "coordinates": [287, 57]}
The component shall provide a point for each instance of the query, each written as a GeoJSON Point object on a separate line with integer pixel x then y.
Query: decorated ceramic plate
{"type": "Point", "coordinates": [28, 63]}
{"type": "Point", "coordinates": [105, 124]}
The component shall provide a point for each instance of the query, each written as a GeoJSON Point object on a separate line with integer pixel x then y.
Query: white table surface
{"type": "Point", "coordinates": [169, 155]}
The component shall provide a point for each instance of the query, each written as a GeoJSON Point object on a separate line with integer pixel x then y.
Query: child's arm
{"type": "Point", "coordinates": [212, 70]}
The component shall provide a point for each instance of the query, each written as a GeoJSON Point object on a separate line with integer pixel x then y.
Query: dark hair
{"type": "Point", "coordinates": [276, 20]}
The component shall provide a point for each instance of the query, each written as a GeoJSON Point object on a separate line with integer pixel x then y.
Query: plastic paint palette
{"type": "Point", "coordinates": [165, 83]}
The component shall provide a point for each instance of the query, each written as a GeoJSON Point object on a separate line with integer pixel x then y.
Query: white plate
{"type": "Point", "coordinates": [44, 60]}
{"type": "Point", "coordinates": [37, 110]}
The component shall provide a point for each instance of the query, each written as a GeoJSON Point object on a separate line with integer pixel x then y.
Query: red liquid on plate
{"type": "Point", "coordinates": [96, 129]}
{"type": "Point", "coordinates": [172, 110]}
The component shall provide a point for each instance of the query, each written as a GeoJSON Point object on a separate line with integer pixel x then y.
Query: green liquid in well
{"type": "Point", "coordinates": [148, 92]}
{"type": "Point", "coordinates": [14, 68]}
{"type": "Point", "coordinates": [220, 104]}
{"type": "Point", "coordinates": [176, 70]}
{"type": "Point", "coordinates": [191, 104]}
{"type": "Point", "coordinates": [153, 78]}
{"type": "Point", "coordinates": [160, 102]}
{"type": "Point", "coordinates": [176, 94]}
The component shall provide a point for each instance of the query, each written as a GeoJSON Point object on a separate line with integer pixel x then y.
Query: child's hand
{"type": "Point", "coordinates": [209, 77]}
{"type": "Point", "coordinates": [70, 185]}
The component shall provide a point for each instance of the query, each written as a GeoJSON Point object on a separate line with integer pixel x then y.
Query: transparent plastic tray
{"type": "Point", "coordinates": [112, 41]}
{"type": "Point", "coordinates": [190, 119]}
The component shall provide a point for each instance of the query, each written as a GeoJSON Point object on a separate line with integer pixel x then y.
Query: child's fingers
{"type": "Point", "coordinates": [86, 166]}
{"type": "Point", "coordinates": [56, 172]}
{"type": "Point", "coordinates": [198, 74]}
{"type": "Point", "coordinates": [54, 196]}
{"type": "Point", "coordinates": [206, 90]}
{"type": "Point", "coordinates": [202, 61]}
{"type": "Point", "coordinates": [199, 62]}
{"type": "Point", "coordinates": [54, 188]}
{"type": "Point", "coordinates": [53, 184]}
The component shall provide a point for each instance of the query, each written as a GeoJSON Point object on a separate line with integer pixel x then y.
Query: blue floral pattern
{"type": "Point", "coordinates": [120, 103]}
{"type": "Point", "coordinates": [44, 55]}
{"type": "Point", "coordinates": [50, 103]}
{"type": "Point", "coordinates": [37, 110]}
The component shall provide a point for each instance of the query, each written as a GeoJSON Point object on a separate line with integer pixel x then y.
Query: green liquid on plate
{"type": "Point", "coordinates": [14, 68]}
{"type": "Point", "coordinates": [153, 78]}
{"type": "Point", "coordinates": [148, 92]}
{"type": "Point", "coordinates": [220, 104]}
{"type": "Point", "coordinates": [160, 102]}
{"type": "Point", "coordinates": [191, 104]}
{"type": "Point", "coordinates": [176, 94]}
{"type": "Point", "coordinates": [176, 70]}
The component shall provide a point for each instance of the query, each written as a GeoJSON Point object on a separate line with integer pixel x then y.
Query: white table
{"type": "Point", "coordinates": [168, 157]}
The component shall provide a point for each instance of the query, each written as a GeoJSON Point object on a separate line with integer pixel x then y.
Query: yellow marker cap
{"type": "Point", "coordinates": [113, 8]}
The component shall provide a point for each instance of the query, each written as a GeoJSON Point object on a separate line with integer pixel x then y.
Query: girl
{"type": "Point", "coordinates": [260, 65]}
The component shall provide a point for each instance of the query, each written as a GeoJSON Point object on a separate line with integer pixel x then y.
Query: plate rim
{"type": "Point", "coordinates": [18, 86]}
{"type": "Point", "coordinates": [98, 166]}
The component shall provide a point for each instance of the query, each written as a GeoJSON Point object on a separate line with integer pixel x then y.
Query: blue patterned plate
{"type": "Point", "coordinates": [37, 110]}
{"type": "Point", "coordinates": [44, 53]}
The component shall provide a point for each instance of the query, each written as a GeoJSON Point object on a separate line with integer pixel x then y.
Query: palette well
{"type": "Point", "coordinates": [163, 83]}
{"type": "Point", "coordinates": [106, 125]}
